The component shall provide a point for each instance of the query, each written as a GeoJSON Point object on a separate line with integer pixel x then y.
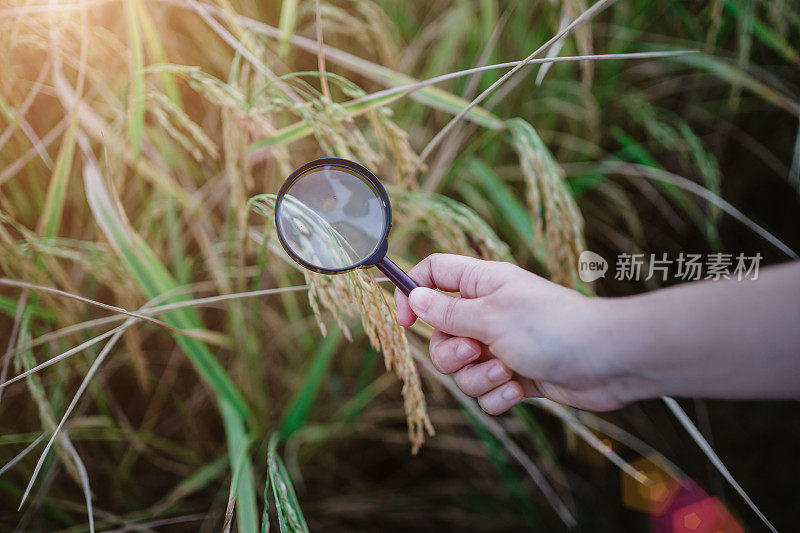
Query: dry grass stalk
{"type": "Point", "coordinates": [583, 38]}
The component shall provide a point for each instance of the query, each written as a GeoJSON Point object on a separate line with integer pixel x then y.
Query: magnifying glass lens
{"type": "Point", "coordinates": [331, 217]}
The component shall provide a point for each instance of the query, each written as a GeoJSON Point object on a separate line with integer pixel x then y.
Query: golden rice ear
{"type": "Point", "coordinates": [364, 24]}
{"type": "Point", "coordinates": [557, 222]}
{"type": "Point", "coordinates": [357, 293]}
{"type": "Point", "coordinates": [175, 123]}
{"type": "Point", "coordinates": [380, 323]}
{"type": "Point", "coordinates": [451, 226]}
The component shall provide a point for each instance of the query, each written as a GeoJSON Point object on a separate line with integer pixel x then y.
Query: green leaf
{"type": "Point", "coordinates": [512, 480]}
{"type": "Point", "coordinates": [297, 412]}
{"type": "Point", "coordinates": [154, 279]}
{"type": "Point", "coordinates": [57, 190]}
{"type": "Point", "coordinates": [136, 95]}
{"type": "Point", "coordinates": [290, 516]}
{"type": "Point", "coordinates": [506, 201]}
{"type": "Point", "coordinates": [287, 22]}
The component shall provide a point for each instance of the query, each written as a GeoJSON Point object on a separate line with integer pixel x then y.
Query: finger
{"type": "Point", "coordinates": [501, 399]}
{"type": "Point", "coordinates": [530, 389]}
{"type": "Point", "coordinates": [457, 273]}
{"type": "Point", "coordinates": [454, 273]}
{"type": "Point", "coordinates": [405, 316]}
{"type": "Point", "coordinates": [462, 317]}
{"type": "Point", "coordinates": [450, 354]}
{"type": "Point", "coordinates": [478, 379]}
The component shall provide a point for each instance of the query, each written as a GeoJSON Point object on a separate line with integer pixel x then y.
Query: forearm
{"type": "Point", "coordinates": [720, 339]}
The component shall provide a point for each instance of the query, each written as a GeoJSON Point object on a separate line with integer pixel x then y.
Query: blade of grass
{"type": "Point", "coordinates": [154, 279]}
{"type": "Point", "coordinates": [290, 515]}
{"type": "Point", "coordinates": [57, 190]}
{"type": "Point", "coordinates": [732, 74]}
{"type": "Point", "coordinates": [766, 35]}
{"type": "Point", "coordinates": [554, 50]}
{"type": "Point", "coordinates": [502, 436]}
{"type": "Point", "coordinates": [295, 414]}
{"type": "Point", "coordinates": [431, 96]}
{"type": "Point", "coordinates": [200, 479]}
{"type": "Point", "coordinates": [89, 375]}
{"type": "Point", "coordinates": [9, 307]}
{"type": "Point", "coordinates": [156, 50]}
{"type": "Point", "coordinates": [12, 338]}
{"type": "Point", "coordinates": [14, 117]}
{"type": "Point", "coordinates": [11, 170]}
{"type": "Point", "coordinates": [583, 17]}
{"type": "Point", "coordinates": [706, 448]}
{"type": "Point", "coordinates": [84, 476]}
{"type": "Point", "coordinates": [590, 438]}
{"type": "Point", "coordinates": [286, 25]}
{"type": "Point", "coordinates": [679, 181]}
{"type": "Point", "coordinates": [497, 66]}
{"type": "Point", "coordinates": [146, 310]}
{"type": "Point", "coordinates": [241, 464]}
{"type": "Point", "coordinates": [136, 99]}
{"type": "Point", "coordinates": [508, 205]}
{"type": "Point", "coordinates": [50, 290]}
{"type": "Point", "coordinates": [17, 458]}
{"type": "Point", "coordinates": [321, 52]}
{"type": "Point", "coordinates": [203, 10]}
{"type": "Point", "coordinates": [497, 456]}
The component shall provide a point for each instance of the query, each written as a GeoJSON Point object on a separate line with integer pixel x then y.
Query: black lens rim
{"type": "Point", "coordinates": [380, 250]}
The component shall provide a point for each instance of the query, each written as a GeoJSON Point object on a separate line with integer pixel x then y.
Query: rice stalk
{"type": "Point", "coordinates": [564, 513]}
{"type": "Point", "coordinates": [431, 96]}
{"type": "Point", "coordinates": [290, 515]}
{"type": "Point", "coordinates": [450, 225]}
{"type": "Point", "coordinates": [702, 443]}
{"type": "Point", "coordinates": [700, 191]}
{"type": "Point", "coordinates": [557, 222]}
{"type": "Point", "coordinates": [357, 293]}
{"type": "Point", "coordinates": [21, 455]}
{"type": "Point", "coordinates": [365, 23]}
{"type": "Point", "coordinates": [215, 134]}
{"type": "Point", "coordinates": [583, 17]}
{"type": "Point", "coordinates": [55, 432]}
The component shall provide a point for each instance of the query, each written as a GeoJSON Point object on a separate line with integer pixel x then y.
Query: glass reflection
{"type": "Point", "coordinates": [331, 218]}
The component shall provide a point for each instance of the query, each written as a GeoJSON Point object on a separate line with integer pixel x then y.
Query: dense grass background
{"type": "Point", "coordinates": [139, 144]}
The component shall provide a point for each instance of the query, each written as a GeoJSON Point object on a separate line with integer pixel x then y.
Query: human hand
{"type": "Point", "coordinates": [512, 334]}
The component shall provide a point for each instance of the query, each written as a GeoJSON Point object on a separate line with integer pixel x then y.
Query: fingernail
{"type": "Point", "coordinates": [465, 352]}
{"type": "Point", "coordinates": [420, 299]}
{"type": "Point", "coordinates": [498, 373]}
{"type": "Point", "coordinates": [510, 393]}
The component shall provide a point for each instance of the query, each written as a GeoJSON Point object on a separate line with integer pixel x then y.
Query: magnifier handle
{"type": "Point", "coordinates": [396, 275]}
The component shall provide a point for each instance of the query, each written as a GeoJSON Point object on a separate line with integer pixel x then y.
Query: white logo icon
{"type": "Point", "coordinates": [591, 266]}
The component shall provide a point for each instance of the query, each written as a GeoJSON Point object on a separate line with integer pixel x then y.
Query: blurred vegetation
{"type": "Point", "coordinates": [141, 142]}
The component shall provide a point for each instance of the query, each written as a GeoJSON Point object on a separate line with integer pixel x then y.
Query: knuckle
{"type": "Point", "coordinates": [462, 379]}
{"type": "Point", "coordinates": [438, 358]}
{"type": "Point", "coordinates": [449, 313]}
{"type": "Point", "coordinates": [431, 260]}
{"type": "Point", "coordinates": [438, 363]}
{"type": "Point", "coordinates": [488, 407]}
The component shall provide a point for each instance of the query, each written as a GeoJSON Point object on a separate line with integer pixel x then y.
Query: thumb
{"type": "Point", "coordinates": [456, 316]}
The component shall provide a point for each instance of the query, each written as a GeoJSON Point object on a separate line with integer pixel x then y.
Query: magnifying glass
{"type": "Point", "coordinates": [333, 215]}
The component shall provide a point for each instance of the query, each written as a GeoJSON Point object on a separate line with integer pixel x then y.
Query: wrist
{"type": "Point", "coordinates": [622, 340]}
